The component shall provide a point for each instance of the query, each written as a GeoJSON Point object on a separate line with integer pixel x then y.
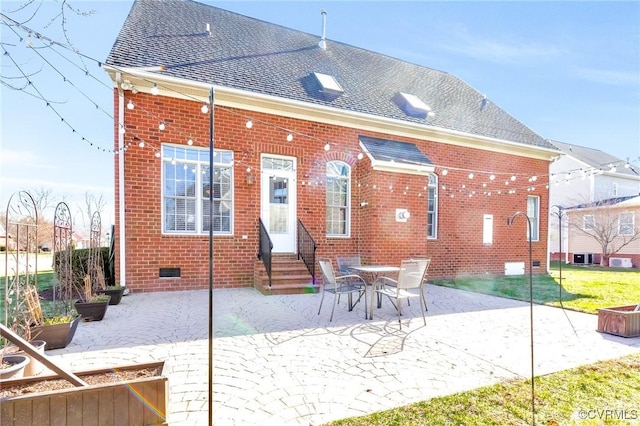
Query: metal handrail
{"type": "Point", "coordinates": [264, 250]}
{"type": "Point", "coordinates": [307, 250]}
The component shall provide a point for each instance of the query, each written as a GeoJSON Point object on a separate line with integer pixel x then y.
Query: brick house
{"type": "Point", "coordinates": [366, 153]}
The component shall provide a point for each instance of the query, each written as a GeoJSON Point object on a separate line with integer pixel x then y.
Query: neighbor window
{"type": "Point", "coordinates": [338, 195]}
{"type": "Point", "coordinates": [533, 212]}
{"type": "Point", "coordinates": [626, 224]}
{"type": "Point", "coordinates": [186, 189]}
{"type": "Point", "coordinates": [588, 222]}
{"type": "Point", "coordinates": [432, 207]}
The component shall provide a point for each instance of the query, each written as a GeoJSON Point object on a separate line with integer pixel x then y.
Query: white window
{"type": "Point", "coordinates": [588, 222]}
{"type": "Point", "coordinates": [625, 226]}
{"type": "Point", "coordinates": [432, 207]}
{"type": "Point", "coordinates": [533, 212]}
{"type": "Point", "coordinates": [338, 196]}
{"type": "Point", "coordinates": [186, 190]}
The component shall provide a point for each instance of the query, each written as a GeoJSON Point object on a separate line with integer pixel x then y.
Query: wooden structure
{"type": "Point", "coordinates": [620, 321]}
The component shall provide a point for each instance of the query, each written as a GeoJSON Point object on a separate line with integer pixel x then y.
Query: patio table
{"type": "Point", "coordinates": [373, 271]}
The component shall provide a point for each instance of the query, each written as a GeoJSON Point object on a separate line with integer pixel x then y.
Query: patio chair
{"type": "Point", "coordinates": [339, 285]}
{"type": "Point", "coordinates": [344, 262]}
{"type": "Point", "coordinates": [411, 276]}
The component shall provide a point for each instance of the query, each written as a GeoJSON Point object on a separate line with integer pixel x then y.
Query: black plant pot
{"type": "Point", "coordinates": [92, 311]}
{"type": "Point", "coordinates": [57, 336]}
{"type": "Point", "coordinates": [115, 293]}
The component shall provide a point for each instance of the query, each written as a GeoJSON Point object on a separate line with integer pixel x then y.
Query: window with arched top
{"type": "Point", "coordinates": [338, 199]}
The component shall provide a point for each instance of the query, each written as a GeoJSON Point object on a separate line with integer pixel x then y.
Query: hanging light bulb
{"type": "Point", "coordinates": [154, 89]}
{"type": "Point", "coordinates": [249, 123]}
{"type": "Point", "coordinates": [204, 108]}
{"type": "Point", "coordinates": [190, 142]}
{"type": "Point", "coordinates": [492, 177]}
{"type": "Point", "coordinates": [157, 154]}
{"type": "Point", "coordinates": [289, 137]}
{"type": "Point", "coordinates": [470, 175]}
{"type": "Point", "coordinates": [513, 178]}
{"type": "Point", "coordinates": [162, 126]}
{"type": "Point", "coordinates": [327, 146]}
{"type": "Point", "coordinates": [130, 105]}
{"type": "Point", "coordinates": [141, 144]}
{"type": "Point", "coordinates": [360, 156]}
{"type": "Point", "coordinates": [122, 129]}
{"type": "Point", "coordinates": [445, 172]}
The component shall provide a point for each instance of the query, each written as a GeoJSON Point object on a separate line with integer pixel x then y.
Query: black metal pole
{"type": "Point", "coordinates": [211, 166]}
{"type": "Point", "coordinates": [533, 388]}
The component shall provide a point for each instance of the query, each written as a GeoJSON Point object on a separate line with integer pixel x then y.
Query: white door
{"type": "Point", "coordinates": [278, 195]}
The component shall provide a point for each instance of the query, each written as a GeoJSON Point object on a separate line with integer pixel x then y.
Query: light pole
{"type": "Point", "coordinates": [560, 215]}
{"type": "Point", "coordinates": [211, 147]}
{"type": "Point", "coordinates": [533, 389]}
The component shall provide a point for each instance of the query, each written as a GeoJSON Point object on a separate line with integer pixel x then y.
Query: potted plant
{"type": "Point", "coordinates": [115, 291]}
{"type": "Point", "coordinates": [12, 366]}
{"type": "Point", "coordinates": [93, 308]}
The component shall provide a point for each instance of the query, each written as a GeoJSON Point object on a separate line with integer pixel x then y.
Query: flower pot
{"type": "Point", "coordinates": [13, 366]}
{"type": "Point", "coordinates": [92, 311]}
{"type": "Point", "coordinates": [57, 336]}
{"type": "Point", "coordinates": [35, 367]}
{"type": "Point", "coordinates": [115, 293]}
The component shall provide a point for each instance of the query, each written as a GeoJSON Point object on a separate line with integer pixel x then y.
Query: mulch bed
{"type": "Point", "coordinates": [91, 379]}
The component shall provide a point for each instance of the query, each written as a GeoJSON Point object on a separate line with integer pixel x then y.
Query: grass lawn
{"type": "Point", "coordinates": [584, 288]}
{"type": "Point", "coordinates": [603, 393]}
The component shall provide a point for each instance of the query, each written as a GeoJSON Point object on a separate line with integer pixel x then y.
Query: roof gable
{"type": "Point", "coordinates": [267, 59]}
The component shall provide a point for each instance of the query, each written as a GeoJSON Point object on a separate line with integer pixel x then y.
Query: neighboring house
{"type": "Point", "coordinates": [582, 176]}
{"type": "Point", "coordinates": [616, 221]}
{"type": "Point", "coordinates": [366, 153]}
{"type": "Point", "coordinates": [7, 243]}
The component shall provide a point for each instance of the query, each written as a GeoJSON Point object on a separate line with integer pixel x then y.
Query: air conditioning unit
{"type": "Point", "coordinates": [583, 258]}
{"type": "Point", "coordinates": [620, 262]}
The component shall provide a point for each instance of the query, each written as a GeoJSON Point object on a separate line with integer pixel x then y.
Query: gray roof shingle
{"type": "Point", "coordinates": [596, 158]}
{"type": "Point", "coordinates": [261, 57]}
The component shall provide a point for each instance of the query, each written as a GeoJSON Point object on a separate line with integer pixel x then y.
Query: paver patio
{"type": "Point", "coordinates": [277, 362]}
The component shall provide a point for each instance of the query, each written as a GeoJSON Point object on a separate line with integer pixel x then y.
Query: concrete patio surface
{"type": "Point", "coordinates": [277, 362]}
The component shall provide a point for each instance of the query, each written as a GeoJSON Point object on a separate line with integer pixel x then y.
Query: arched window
{"type": "Point", "coordinates": [432, 207]}
{"type": "Point", "coordinates": [338, 198]}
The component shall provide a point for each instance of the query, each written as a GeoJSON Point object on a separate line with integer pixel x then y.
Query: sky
{"type": "Point", "coordinates": [568, 70]}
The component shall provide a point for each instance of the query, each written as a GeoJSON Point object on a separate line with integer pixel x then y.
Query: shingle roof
{"type": "Point", "coordinates": [261, 57]}
{"type": "Point", "coordinates": [628, 201]}
{"type": "Point", "coordinates": [596, 158]}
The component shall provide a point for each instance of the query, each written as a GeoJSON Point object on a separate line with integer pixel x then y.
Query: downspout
{"type": "Point", "coordinates": [121, 151]}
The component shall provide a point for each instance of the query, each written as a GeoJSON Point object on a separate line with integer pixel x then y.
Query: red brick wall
{"type": "Point", "coordinates": [375, 234]}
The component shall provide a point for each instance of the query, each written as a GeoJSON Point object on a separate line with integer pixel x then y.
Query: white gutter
{"type": "Point", "coordinates": [121, 151]}
{"type": "Point", "coordinates": [339, 116]}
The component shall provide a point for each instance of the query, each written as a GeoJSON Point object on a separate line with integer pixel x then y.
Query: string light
{"type": "Point", "coordinates": [190, 142]}
{"type": "Point", "coordinates": [162, 126]}
{"type": "Point", "coordinates": [154, 89]}
{"type": "Point", "coordinates": [360, 156]}
{"type": "Point", "coordinates": [204, 108]}
{"type": "Point", "coordinates": [327, 146]}
{"type": "Point", "coordinates": [130, 104]}
{"type": "Point", "coordinates": [249, 123]}
{"type": "Point", "coordinates": [289, 137]}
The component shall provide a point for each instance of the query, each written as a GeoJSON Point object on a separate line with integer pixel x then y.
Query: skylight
{"type": "Point", "coordinates": [328, 83]}
{"type": "Point", "coordinates": [412, 105]}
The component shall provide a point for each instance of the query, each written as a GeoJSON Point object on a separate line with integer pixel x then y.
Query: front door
{"type": "Point", "coordinates": [278, 199]}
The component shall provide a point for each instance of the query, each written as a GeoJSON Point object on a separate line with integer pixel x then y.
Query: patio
{"type": "Point", "coordinates": [277, 362]}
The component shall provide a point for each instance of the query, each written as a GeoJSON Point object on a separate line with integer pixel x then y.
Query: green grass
{"type": "Point", "coordinates": [585, 288]}
{"type": "Point", "coordinates": [561, 399]}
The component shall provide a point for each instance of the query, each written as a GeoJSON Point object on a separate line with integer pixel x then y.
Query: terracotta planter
{"type": "Point", "coordinates": [115, 293]}
{"type": "Point", "coordinates": [92, 311]}
{"type": "Point", "coordinates": [620, 321]}
{"type": "Point", "coordinates": [57, 336]}
{"type": "Point", "coordinates": [135, 402]}
{"type": "Point", "coordinates": [16, 365]}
